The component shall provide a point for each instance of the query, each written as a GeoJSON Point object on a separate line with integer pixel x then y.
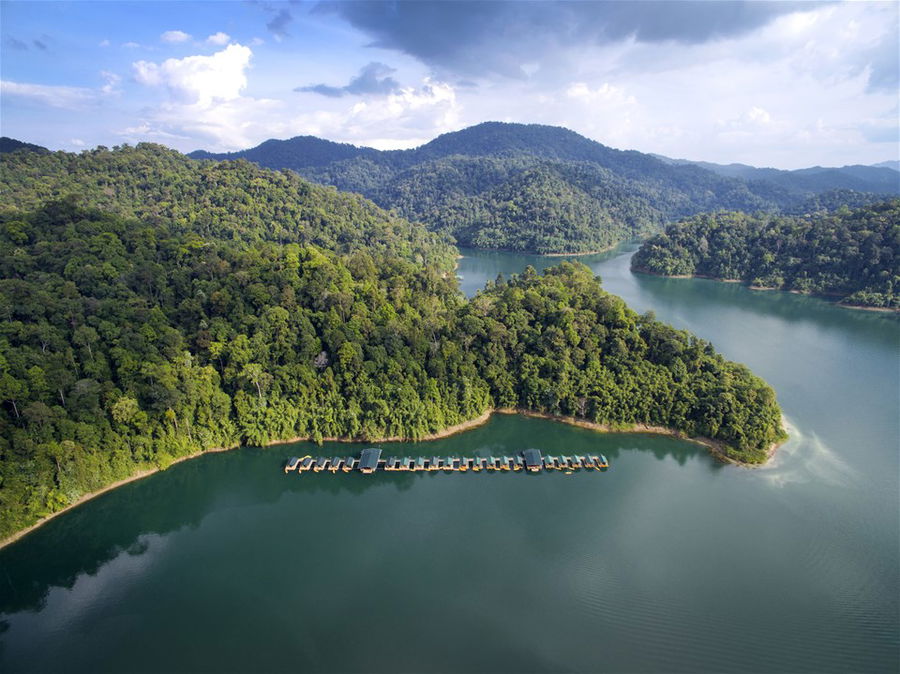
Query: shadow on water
{"type": "Point", "coordinates": [91, 535]}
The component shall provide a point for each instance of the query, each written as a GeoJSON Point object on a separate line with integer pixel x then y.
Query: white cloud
{"type": "Point", "coordinates": [77, 142]}
{"type": "Point", "coordinates": [205, 101]}
{"type": "Point", "coordinates": [175, 36]}
{"type": "Point", "coordinates": [219, 38]}
{"type": "Point", "coordinates": [130, 45]}
{"type": "Point", "coordinates": [112, 82]}
{"type": "Point", "coordinates": [67, 98]}
{"type": "Point", "coordinates": [759, 116]}
{"type": "Point", "coordinates": [145, 131]}
{"type": "Point", "coordinates": [605, 93]}
{"type": "Point", "coordinates": [200, 80]}
{"type": "Point", "coordinates": [103, 43]}
{"type": "Point", "coordinates": [421, 112]}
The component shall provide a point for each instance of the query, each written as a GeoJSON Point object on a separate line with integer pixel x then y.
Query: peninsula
{"type": "Point", "coordinates": [222, 304]}
{"type": "Point", "coordinates": [850, 256]}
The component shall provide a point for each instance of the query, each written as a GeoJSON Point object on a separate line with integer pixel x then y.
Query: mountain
{"type": "Point", "coordinates": [296, 154]}
{"type": "Point", "coordinates": [12, 145]}
{"type": "Point", "coordinates": [538, 188]}
{"type": "Point", "coordinates": [890, 163]}
{"type": "Point", "coordinates": [880, 178]}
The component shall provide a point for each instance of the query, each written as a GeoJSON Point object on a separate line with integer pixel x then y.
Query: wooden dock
{"type": "Point", "coordinates": [370, 461]}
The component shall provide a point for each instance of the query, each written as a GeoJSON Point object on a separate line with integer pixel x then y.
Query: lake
{"type": "Point", "coordinates": [668, 562]}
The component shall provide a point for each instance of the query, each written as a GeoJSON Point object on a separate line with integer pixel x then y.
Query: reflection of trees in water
{"type": "Point", "coordinates": [84, 539]}
{"type": "Point", "coordinates": [692, 295]}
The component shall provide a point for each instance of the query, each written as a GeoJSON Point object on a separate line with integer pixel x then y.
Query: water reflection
{"type": "Point", "coordinates": [83, 540]}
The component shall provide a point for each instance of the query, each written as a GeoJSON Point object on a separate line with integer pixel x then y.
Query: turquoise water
{"type": "Point", "coordinates": [667, 562]}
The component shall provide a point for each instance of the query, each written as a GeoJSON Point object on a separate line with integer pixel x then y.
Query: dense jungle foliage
{"type": "Point", "coordinates": [225, 200]}
{"type": "Point", "coordinates": [538, 188]}
{"type": "Point", "coordinates": [126, 343]}
{"type": "Point", "coordinates": [853, 255]}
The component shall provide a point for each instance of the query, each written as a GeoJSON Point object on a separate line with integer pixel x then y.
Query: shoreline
{"type": "Point", "coordinates": [828, 297]}
{"type": "Point", "coordinates": [714, 447]}
{"type": "Point", "coordinates": [531, 252]}
{"type": "Point", "coordinates": [147, 472]}
{"type": "Point", "coordinates": [589, 252]}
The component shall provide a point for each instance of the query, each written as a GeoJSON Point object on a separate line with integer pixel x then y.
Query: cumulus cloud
{"type": "Point", "coordinates": [408, 117]}
{"type": "Point", "coordinates": [373, 79]}
{"type": "Point", "coordinates": [218, 39]}
{"type": "Point", "coordinates": [200, 80]}
{"type": "Point", "coordinates": [175, 36]}
{"type": "Point", "coordinates": [205, 99]}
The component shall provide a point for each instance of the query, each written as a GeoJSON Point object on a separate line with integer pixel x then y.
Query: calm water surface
{"type": "Point", "coordinates": [667, 562]}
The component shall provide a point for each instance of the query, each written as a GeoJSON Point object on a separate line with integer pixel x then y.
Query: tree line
{"type": "Point", "coordinates": [851, 255]}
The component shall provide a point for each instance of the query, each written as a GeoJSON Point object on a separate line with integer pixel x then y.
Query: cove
{"type": "Point", "coordinates": [670, 561]}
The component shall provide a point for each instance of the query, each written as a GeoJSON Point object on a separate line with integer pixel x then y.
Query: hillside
{"type": "Point", "coordinates": [228, 200]}
{"type": "Point", "coordinates": [851, 255]}
{"type": "Point", "coordinates": [480, 185]}
{"type": "Point", "coordinates": [12, 145]}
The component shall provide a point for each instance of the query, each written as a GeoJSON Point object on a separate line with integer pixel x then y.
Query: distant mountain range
{"type": "Point", "coordinates": [548, 189]}
{"type": "Point", "coordinates": [891, 164]}
{"type": "Point", "coordinates": [881, 177]}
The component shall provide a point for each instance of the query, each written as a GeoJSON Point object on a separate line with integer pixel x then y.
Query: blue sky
{"type": "Point", "coordinates": [784, 84]}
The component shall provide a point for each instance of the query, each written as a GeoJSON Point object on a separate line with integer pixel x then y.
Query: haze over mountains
{"type": "Point", "coordinates": [547, 189]}
{"type": "Point", "coordinates": [877, 178]}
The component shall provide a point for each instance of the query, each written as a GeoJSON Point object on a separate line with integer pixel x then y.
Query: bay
{"type": "Point", "coordinates": [667, 562]}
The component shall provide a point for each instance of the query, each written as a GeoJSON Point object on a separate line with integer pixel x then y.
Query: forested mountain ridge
{"type": "Point", "coordinates": [853, 255]}
{"type": "Point", "coordinates": [131, 338]}
{"type": "Point", "coordinates": [295, 153]}
{"type": "Point", "coordinates": [879, 179]}
{"type": "Point", "coordinates": [8, 144]}
{"type": "Point", "coordinates": [481, 183]}
{"type": "Point", "coordinates": [231, 200]}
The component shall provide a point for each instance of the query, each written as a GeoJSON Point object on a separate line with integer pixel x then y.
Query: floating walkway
{"type": "Point", "coordinates": [370, 461]}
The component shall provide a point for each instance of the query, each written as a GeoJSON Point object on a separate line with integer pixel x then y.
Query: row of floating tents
{"type": "Point", "coordinates": [370, 460]}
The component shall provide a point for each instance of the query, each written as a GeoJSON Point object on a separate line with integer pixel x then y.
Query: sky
{"type": "Point", "coordinates": [783, 84]}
